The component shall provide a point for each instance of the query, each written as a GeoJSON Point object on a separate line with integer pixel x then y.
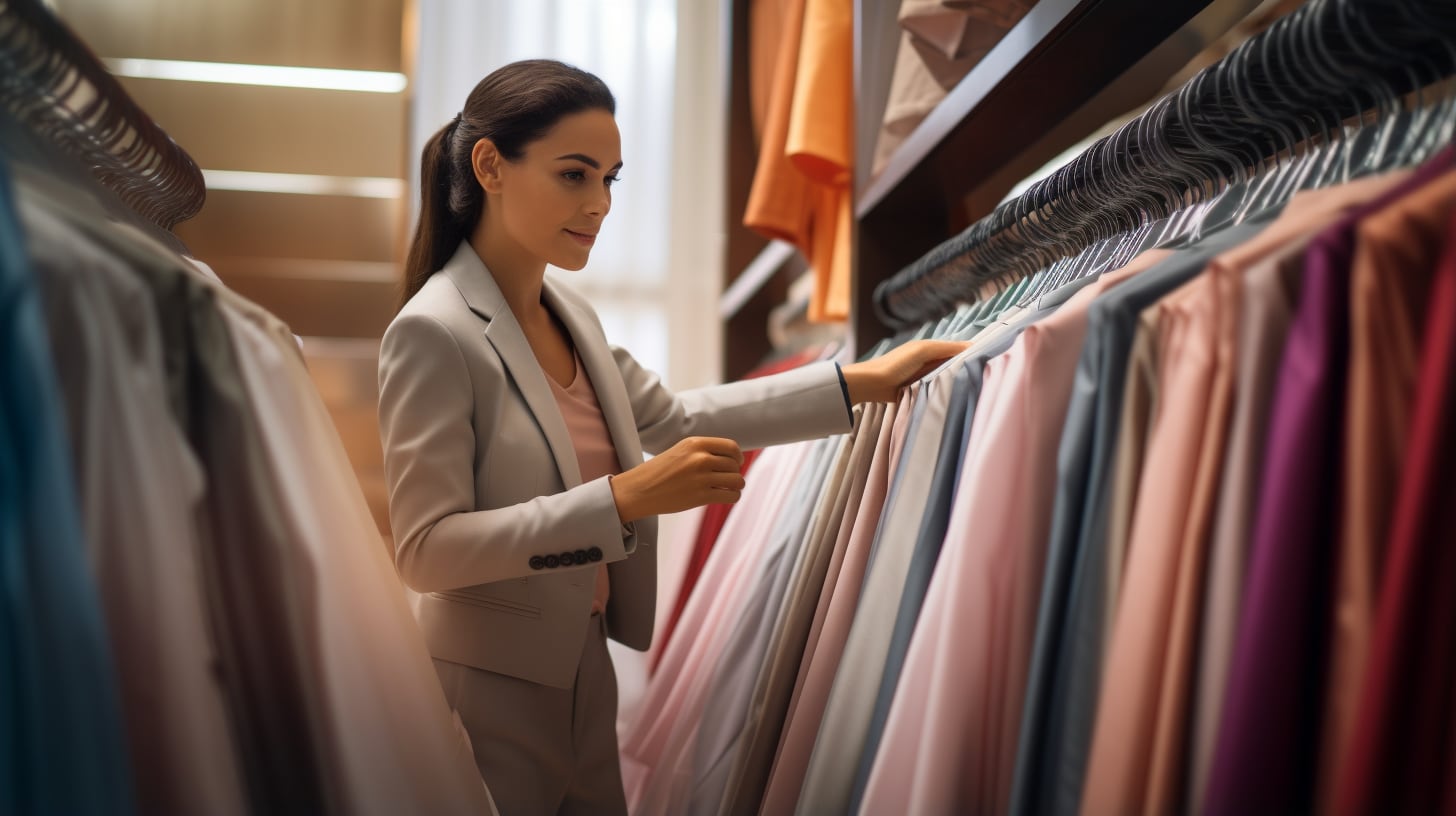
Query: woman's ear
{"type": "Point", "coordinates": [486, 161]}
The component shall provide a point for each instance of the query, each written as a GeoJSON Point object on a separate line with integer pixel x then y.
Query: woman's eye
{"type": "Point", "coordinates": [610, 180]}
{"type": "Point", "coordinates": [573, 175]}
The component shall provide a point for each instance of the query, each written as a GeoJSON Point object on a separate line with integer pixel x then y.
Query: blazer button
{"type": "Point", "coordinates": [582, 557]}
{"type": "Point", "coordinates": [567, 559]}
{"type": "Point", "coordinates": [537, 562]}
{"type": "Point", "coordinates": [594, 554]}
{"type": "Point", "coordinates": [552, 562]}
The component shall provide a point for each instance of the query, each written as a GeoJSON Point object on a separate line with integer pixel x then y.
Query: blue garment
{"type": "Point", "coordinates": [62, 748]}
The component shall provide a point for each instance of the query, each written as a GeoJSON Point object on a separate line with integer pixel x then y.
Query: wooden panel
{"type": "Point", "coordinates": [344, 373]}
{"type": "Point", "coordinates": [278, 225]}
{"type": "Point", "coordinates": [354, 34]}
{"type": "Point", "coordinates": [323, 308]}
{"type": "Point", "coordinates": [279, 130]}
{"type": "Point", "coordinates": [743, 243]}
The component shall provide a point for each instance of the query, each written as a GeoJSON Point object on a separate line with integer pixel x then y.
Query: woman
{"type": "Point", "coordinates": [513, 435]}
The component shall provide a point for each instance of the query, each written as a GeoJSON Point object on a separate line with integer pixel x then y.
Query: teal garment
{"type": "Point", "coordinates": [62, 745]}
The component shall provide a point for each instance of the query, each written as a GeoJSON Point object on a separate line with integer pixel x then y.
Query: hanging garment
{"type": "Point", "coordinates": [63, 749]}
{"type": "Point", "coordinates": [1394, 264]}
{"type": "Point", "coordinates": [1048, 726]}
{"type": "Point", "coordinates": [940, 749]}
{"type": "Point", "coordinates": [801, 190]}
{"type": "Point", "coordinates": [1275, 688]}
{"type": "Point", "coordinates": [727, 713]}
{"type": "Point", "coordinates": [1137, 759]}
{"type": "Point", "coordinates": [1269, 288]}
{"type": "Point", "coordinates": [928, 541]}
{"type": "Point", "coordinates": [832, 627]}
{"type": "Point", "coordinates": [1403, 725]}
{"type": "Point", "coordinates": [226, 389]}
{"type": "Point", "coordinates": [142, 531]}
{"type": "Point", "coordinates": [711, 711]}
{"type": "Point", "coordinates": [674, 694]}
{"type": "Point", "coordinates": [716, 515]}
{"type": "Point", "coordinates": [769, 709]}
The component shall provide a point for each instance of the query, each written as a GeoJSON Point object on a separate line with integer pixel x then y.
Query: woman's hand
{"type": "Point", "coordinates": [696, 471]}
{"type": "Point", "coordinates": [880, 379]}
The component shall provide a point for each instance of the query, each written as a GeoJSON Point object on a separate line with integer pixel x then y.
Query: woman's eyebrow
{"type": "Point", "coordinates": [587, 160]}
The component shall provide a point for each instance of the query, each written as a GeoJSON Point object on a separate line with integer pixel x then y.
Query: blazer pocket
{"type": "Point", "coordinates": [495, 604]}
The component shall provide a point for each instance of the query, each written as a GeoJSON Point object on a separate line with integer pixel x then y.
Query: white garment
{"type": "Point", "coordinates": [393, 744]}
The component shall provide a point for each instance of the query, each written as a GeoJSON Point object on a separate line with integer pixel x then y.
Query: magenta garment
{"type": "Point", "coordinates": [1266, 754]}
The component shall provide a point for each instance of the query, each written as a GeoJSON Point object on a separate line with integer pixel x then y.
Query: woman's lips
{"type": "Point", "coordinates": [585, 239]}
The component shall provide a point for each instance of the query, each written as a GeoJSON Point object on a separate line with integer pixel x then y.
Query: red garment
{"type": "Point", "coordinates": [717, 514]}
{"type": "Point", "coordinates": [1402, 748]}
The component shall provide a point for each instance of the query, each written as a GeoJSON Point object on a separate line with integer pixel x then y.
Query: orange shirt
{"type": "Point", "coordinates": [801, 190]}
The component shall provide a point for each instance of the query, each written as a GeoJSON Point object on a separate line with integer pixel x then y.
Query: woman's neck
{"type": "Point", "coordinates": [518, 275]}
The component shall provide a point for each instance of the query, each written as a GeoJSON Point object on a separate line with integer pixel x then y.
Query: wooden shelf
{"type": "Point", "coordinates": [1062, 71]}
{"type": "Point", "coordinates": [1065, 69]}
{"type": "Point", "coordinates": [754, 276]}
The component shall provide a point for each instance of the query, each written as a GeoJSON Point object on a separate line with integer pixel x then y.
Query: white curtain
{"type": "Point", "coordinates": [631, 45]}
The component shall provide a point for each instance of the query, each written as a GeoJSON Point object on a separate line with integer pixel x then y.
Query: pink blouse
{"type": "Point", "coordinates": [595, 453]}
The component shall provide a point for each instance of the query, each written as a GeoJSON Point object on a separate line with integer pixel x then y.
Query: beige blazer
{"type": "Point", "coordinates": [491, 521]}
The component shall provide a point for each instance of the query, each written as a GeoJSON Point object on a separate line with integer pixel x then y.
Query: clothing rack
{"type": "Point", "coordinates": [54, 85]}
{"type": "Point", "coordinates": [1293, 86]}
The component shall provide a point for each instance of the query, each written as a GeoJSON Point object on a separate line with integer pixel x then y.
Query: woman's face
{"type": "Point", "coordinates": [553, 199]}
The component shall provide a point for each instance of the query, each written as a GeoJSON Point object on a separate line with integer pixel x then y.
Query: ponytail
{"type": "Point", "coordinates": [514, 106]}
{"type": "Point", "coordinates": [440, 229]}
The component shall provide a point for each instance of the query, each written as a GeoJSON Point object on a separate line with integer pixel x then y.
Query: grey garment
{"type": "Point", "coordinates": [723, 717]}
{"type": "Point", "coordinates": [542, 749]}
{"type": "Point", "coordinates": [772, 697]}
{"type": "Point", "coordinates": [262, 646]}
{"type": "Point", "coordinates": [1066, 663]}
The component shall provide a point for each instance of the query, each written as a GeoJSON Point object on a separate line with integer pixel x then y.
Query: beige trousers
{"type": "Point", "coordinates": [544, 750]}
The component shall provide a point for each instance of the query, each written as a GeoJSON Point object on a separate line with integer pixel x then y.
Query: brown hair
{"type": "Point", "coordinates": [514, 106]}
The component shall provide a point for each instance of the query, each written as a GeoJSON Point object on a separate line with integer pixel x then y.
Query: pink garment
{"type": "Point", "coordinates": [830, 630]}
{"type": "Point", "coordinates": [596, 456]}
{"type": "Point", "coordinates": [949, 744]}
{"type": "Point", "coordinates": [676, 691]}
{"type": "Point", "coordinates": [1161, 575]}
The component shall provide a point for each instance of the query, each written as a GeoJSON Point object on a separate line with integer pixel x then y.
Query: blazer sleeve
{"type": "Point", "coordinates": [805, 403]}
{"type": "Point", "coordinates": [442, 542]}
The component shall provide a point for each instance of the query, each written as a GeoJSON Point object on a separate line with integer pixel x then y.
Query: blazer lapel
{"type": "Point", "coordinates": [606, 378]}
{"type": "Point", "coordinates": [484, 297]}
